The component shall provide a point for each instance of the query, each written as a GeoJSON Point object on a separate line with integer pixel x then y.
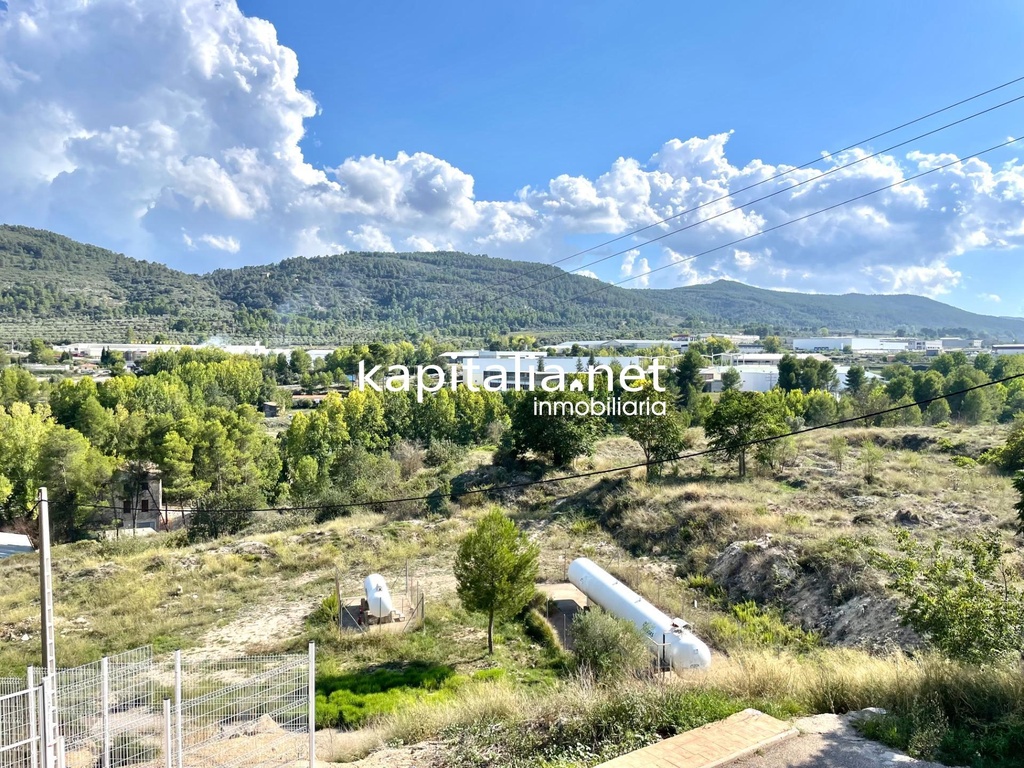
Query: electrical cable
{"type": "Point", "coordinates": [802, 166]}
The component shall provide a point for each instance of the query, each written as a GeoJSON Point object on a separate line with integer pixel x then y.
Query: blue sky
{"type": "Point", "coordinates": [193, 134]}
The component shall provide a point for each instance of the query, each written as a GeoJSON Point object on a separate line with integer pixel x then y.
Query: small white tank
{"type": "Point", "coordinates": [683, 649]}
{"type": "Point", "coordinates": [377, 596]}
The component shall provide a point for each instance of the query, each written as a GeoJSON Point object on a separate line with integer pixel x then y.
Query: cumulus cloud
{"type": "Point", "coordinates": [995, 298]}
{"type": "Point", "coordinates": [171, 130]}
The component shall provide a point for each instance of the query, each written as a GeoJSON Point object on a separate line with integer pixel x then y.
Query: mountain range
{"type": "Point", "coordinates": [59, 289]}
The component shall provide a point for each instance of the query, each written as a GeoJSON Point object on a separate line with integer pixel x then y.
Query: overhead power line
{"type": "Point", "coordinates": [783, 190]}
{"type": "Point", "coordinates": [606, 286]}
{"type": "Point", "coordinates": [779, 175]}
{"type": "Point", "coordinates": [596, 472]}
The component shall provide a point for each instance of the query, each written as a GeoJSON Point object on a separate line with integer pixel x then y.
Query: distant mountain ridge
{"type": "Point", "coordinates": [57, 288]}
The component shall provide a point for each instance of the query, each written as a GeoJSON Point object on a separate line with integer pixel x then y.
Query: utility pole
{"type": "Point", "coordinates": [46, 586]}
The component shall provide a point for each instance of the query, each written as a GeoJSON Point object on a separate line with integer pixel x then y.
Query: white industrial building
{"type": "Point", "coordinates": [1008, 349]}
{"type": "Point", "coordinates": [763, 378]}
{"type": "Point", "coordinates": [854, 343]}
{"type": "Point", "coordinates": [623, 344]}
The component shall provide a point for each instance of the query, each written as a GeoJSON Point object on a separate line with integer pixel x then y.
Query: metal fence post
{"type": "Point", "coordinates": [105, 704]}
{"type": "Point", "coordinates": [312, 705]}
{"type": "Point", "coordinates": [61, 753]}
{"type": "Point", "coordinates": [179, 741]}
{"type": "Point", "coordinates": [168, 757]}
{"type": "Point", "coordinates": [47, 724]}
{"type": "Point", "coordinates": [33, 725]}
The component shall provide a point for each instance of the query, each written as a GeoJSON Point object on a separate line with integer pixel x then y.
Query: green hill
{"type": "Point", "coordinates": [57, 288]}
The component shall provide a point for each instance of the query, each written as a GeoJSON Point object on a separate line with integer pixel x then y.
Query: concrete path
{"type": "Point", "coordinates": [712, 745]}
{"type": "Point", "coordinates": [829, 741]}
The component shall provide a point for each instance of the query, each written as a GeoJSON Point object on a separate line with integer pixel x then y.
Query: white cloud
{"type": "Point", "coordinates": [189, 121]}
{"type": "Point", "coordinates": [995, 298]}
{"type": "Point", "coordinates": [222, 243]}
{"type": "Point", "coordinates": [588, 273]}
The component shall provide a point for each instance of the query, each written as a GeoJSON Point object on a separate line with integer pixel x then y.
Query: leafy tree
{"type": "Point", "coordinates": [771, 344]}
{"type": "Point", "coordinates": [660, 437]}
{"type": "Point", "coordinates": [740, 418]}
{"type": "Point", "coordinates": [495, 570]}
{"type": "Point", "coordinates": [562, 436]}
{"type": "Point", "coordinates": [300, 362]}
{"type": "Point", "coordinates": [937, 412]}
{"type": "Point", "coordinates": [856, 377]}
{"type": "Point", "coordinates": [731, 379]}
{"type": "Point", "coordinates": [689, 379]}
{"type": "Point", "coordinates": [871, 458]}
{"type": "Point", "coordinates": [40, 352]}
{"type": "Point", "coordinates": [789, 373]}
{"type": "Point", "coordinates": [838, 449]}
{"type": "Point", "coordinates": [959, 598]}
{"type": "Point", "coordinates": [819, 408]}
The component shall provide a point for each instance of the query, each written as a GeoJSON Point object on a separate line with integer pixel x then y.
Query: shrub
{"type": "Point", "coordinates": [539, 629]}
{"type": "Point", "coordinates": [959, 599]}
{"type": "Point", "coordinates": [410, 457]}
{"type": "Point", "coordinates": [607, 647]}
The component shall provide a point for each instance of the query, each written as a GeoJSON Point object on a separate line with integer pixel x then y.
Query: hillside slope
{"type": "Point", "coordinates": [57, 288]}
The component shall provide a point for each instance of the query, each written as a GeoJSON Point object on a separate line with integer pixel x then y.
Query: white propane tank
{"type": "Point", "coordinates": [377, 596]}
{"type": "Point", "coordinates": [684, 650]}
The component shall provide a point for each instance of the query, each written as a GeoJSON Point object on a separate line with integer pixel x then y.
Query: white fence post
{"type": "Point", "coordinates": [312, 705]}
{"type": "Point", "coordinates": [47, 724]}
{"type": "Point", "coordinates": [179, 741]}
{"type": "Point", "coordinates": [168, 757]}
{"type": "Point", "coordinates": [33, 725]}
{"type": "Point", "coordinates": [61, 753]}
{"type": "Point", "coordinates": [105, 705]}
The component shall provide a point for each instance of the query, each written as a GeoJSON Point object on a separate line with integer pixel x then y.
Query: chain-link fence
{"type": "Point", "coordinates": [129, 710]}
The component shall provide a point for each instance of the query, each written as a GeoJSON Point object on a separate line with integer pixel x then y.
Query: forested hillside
{"type": "Point", "coordinates": [56, 288]}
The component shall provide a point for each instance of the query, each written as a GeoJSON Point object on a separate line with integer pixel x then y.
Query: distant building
{"type": "Point", "coordinates": [762, 377]}
{"type": "Point", "coordinates": [1008, 349]}
{"type": "Point", "coordinates": [864, 345]}
{"type": "Point", "coordinates": [14, 544]}
{"type": "Point", "coordinates": [271, 410]}
{"type": "Point", "coordinates": [958, 343]}
{"type": "Point", "coordinates": [673, 343]}
{"type": "Point", "coordinates": [138, 496]}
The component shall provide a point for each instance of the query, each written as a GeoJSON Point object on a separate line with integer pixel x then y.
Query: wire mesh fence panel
{"type": "Point", "coordinates": [19, 735]}
{"type": "Point", "coordinates": [245, 711]}
{"type": "Point", "coordinates": [136, 738]}
{"type": "Point", "coordinates": [10, 685]}
{"type": "Point", "coordinates": [80, 694]}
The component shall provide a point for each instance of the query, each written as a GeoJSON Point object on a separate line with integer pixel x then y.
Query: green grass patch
{"type": "Point", "coordinates": [350, 700]}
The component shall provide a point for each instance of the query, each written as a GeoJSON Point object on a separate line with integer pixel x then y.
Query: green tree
{"type": "Point", "coordinates": [856, 376]}
{"type": "Point", "coordinates": [689, 379]}
{"type": "Point", "coordinates": [660, 437]}
{"type": "Point", "coordinates": [789, 373]}
{"type": "Point", "coordinates": [871, 458]}
{"type": "Point", "coordinates": [838, 448]}
{"type": "Point", "coordinates": [40, 352]}
{"type": "Point", "coordinates": [771, 344]}
{"type": "Point", "coordinates": [300, 362]}
{"type": "Point", "coordinates": [738, 419]}
{"type": "Point", "coordinates": [495, 570]}
{"type": "Point", "coordinates": [562, 435]}
{"type": "Point", "coordinates": [731, 379]}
